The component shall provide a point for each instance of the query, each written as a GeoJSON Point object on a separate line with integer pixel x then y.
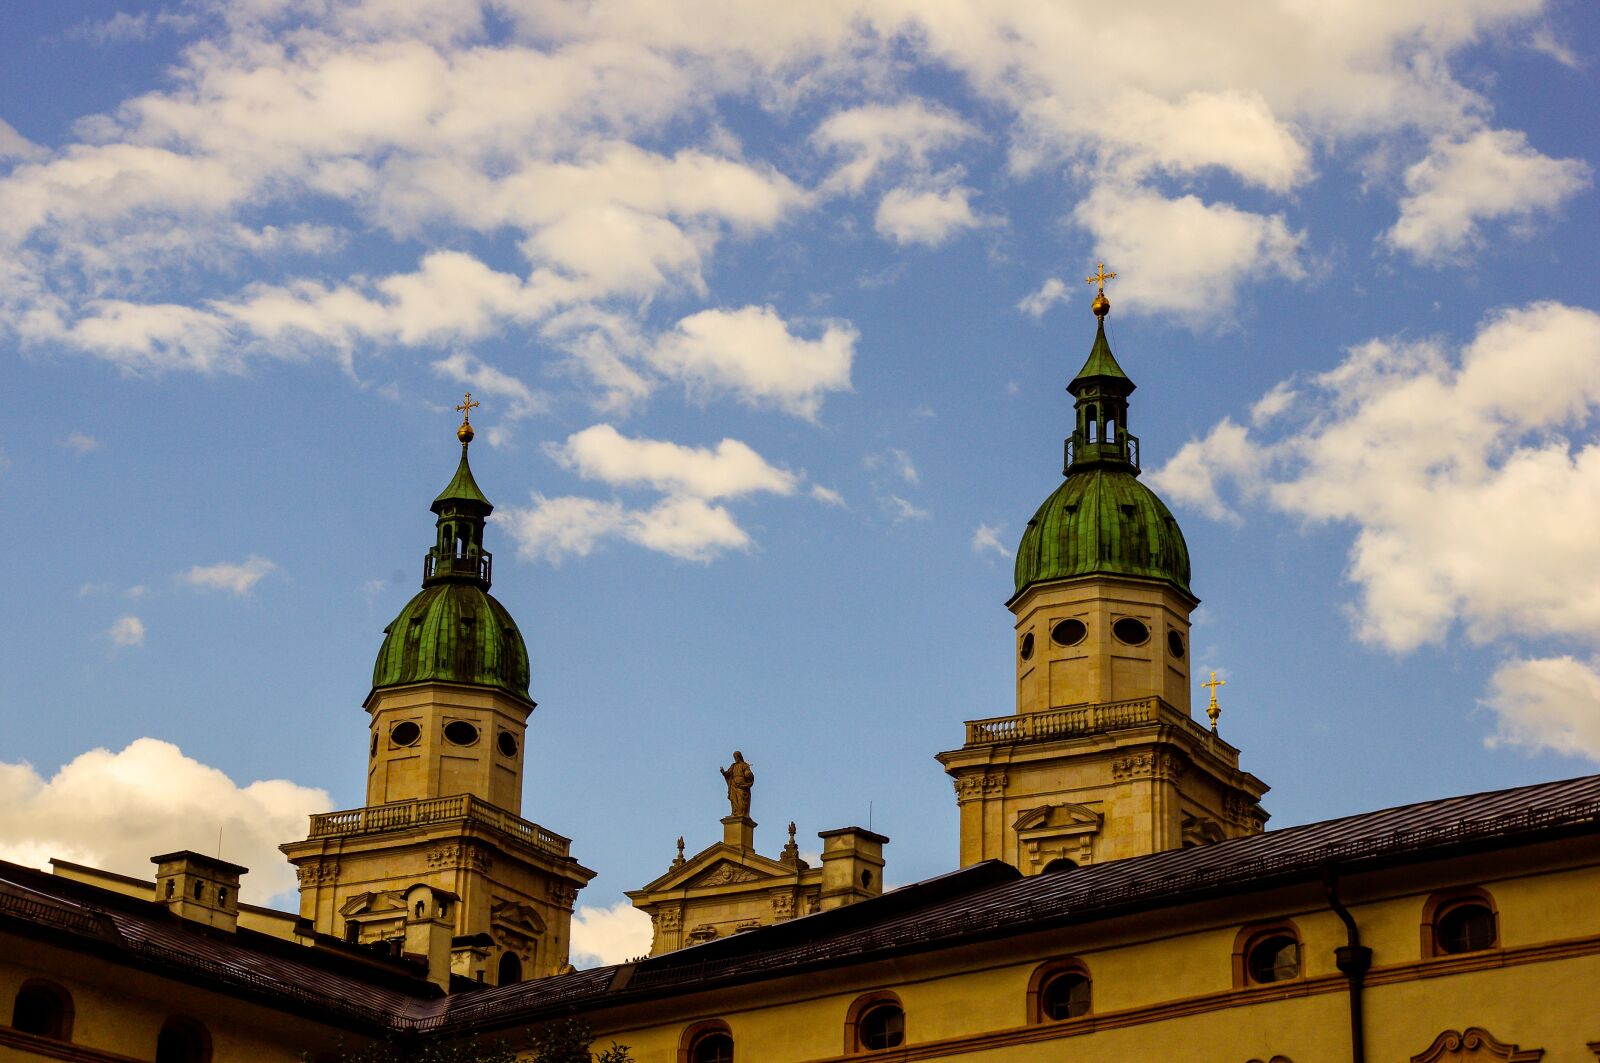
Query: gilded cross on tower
{"type": "Point", "coordinates": [465, 433]}
{"type": "Point", "coordinates": [1101, 305]}
{"type": "Point", "coordinates": [1214, 710]}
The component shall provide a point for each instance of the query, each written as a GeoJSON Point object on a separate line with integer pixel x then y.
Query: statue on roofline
{"type": "Point", "coordinates": [740, 779]}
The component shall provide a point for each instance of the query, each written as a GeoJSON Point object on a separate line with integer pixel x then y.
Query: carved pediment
{"type": "Point", "coordinates": [1064, 818]}
{"type": "Point", "coordinates": [513, 920]}
{"type": "Point", "coordinates": [1476, 1044]}
{"type": "Point", "coordinates": [724, 873]}
{"type": "Point", "coordinates": [380, 903]}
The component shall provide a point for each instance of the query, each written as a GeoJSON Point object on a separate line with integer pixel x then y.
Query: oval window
{"type": "Point", "coordinates": [1027, 646]}
{"type": "Point", "coordinates": [1066, 996]}
{"type": "Point", "coordinates": [507, 743]}
{"type": "Point", "coordinates": [1175, 644]}
{"type": "Point", "coordinates": [374, 750]}
{"type": "Point", "coordinates": [405, 734]}
{"type": "Point", "coordinates": [1131, 631]}
{"type": "Point", "coordinates": [1068, 632]}
{"type": "Point", "coordinates": [460, 732]}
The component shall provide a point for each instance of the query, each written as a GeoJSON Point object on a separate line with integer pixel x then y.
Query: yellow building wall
{"type": "Point", "coordinates": [1163, 986]}
{"type": "Point", "coordinates": [120, 1010]}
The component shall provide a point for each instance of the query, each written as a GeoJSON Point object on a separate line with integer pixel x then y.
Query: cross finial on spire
{"type": "Point", "coordinates": [1214, 710]}
{"type": "Point", "coordinates": [1101, 305]}
{"type": "Point", "coordinates": [465, 433]}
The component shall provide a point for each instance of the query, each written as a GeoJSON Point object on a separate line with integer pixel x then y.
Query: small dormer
{"type": "Point", "coordinates": [201, 889]}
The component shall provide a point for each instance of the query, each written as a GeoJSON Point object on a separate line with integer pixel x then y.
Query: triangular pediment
{"type": "Point", "coordinates": [1062, 818]}
{"type": "Point", "coordinates": [517, 920]}
{"type": "Point", "coordinates": [720, 865]}
{"type": "Point", "coordinates": [384, 902]}
{"type": "Point", "coordinates": [726, 873]}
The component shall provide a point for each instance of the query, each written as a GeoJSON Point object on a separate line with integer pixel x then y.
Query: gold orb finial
{"type": "Point", "coordinates": [1101, 305]}
{"type": "Point", "coordinates": [465, 432]}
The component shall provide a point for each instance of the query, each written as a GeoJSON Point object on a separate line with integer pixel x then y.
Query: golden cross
{"type": "Point", "coordinates": [466, 408]}
{"type": "Point", "coordinates": [1214, 710]}
{"type": "Point", "coordinates": [1100, 278]}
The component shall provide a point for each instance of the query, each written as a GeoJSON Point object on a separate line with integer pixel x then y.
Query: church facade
{"type": "Point", "coordinates": [1118, 896]}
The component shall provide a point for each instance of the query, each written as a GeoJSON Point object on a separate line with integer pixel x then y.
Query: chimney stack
{"type": "Point", "coordinates": [852, 865]}
{"type": "Point", "coordinates": [431, 930]}
{"type": "Point", "coordinates": [201, 889]}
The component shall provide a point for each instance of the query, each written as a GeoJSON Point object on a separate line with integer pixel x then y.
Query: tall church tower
{"type": "Point", "coordinates": [1102, 759]}
{"type": "Point", "coordinates": [449, 707]}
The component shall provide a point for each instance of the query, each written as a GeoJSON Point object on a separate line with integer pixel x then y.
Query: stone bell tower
{"type": "Point", "coordinates": [1101, 759]}
{"type": "Point", "coordinates": [449, 710]}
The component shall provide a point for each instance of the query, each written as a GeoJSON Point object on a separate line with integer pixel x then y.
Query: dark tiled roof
{"type": "Point", "coordinates": [987, 900]}
{"type": "Point", "coordinates": [992, 900]}
{"type": "Point", "coordinates": [333, 984]}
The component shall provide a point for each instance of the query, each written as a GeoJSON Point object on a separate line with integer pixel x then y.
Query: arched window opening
{"type": "Point", "coordinates": [707, 1041]}
{"type": "Point", "coordinates": [715, 1047]}
{"type": "Point", "coordinates": [1264, 954]}
{"type": "Point", "coordinates": [199, 890]}
{"type": "Point", "coordinates": [1059, 990]}
{"type": "Point", "coordinates": [1111, 430]}
{"type": "Point", "coordinates": [875, 1022]}
{"type": "Point", "coordinates": [1273, 959]}
{"type": "Point", "coordinates": [1060, 863]}
{"type": "Point", "coordinates": [183, 1041]}
{"type": "Point", "coordinates": [883, 1026]}
{"type": "Point", "coordinates": [1459, 921]}
{"type": "Point", "coordinates": [43, 1009]}
{"type": "Point", "coordinates": [510, 969]}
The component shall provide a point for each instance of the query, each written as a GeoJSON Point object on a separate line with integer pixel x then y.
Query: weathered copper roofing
{"type": "Point", "coordinates": [1100, 365]}
{"type": "Point", "coordinates": [457, 633]}
{"type": "Point", "coordinates": [462, 488]}
{"type": "Point", "coordinates": [1103, 521]}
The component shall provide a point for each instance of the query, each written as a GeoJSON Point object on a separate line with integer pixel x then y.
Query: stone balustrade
{"type": "Point", "coordinates": [1074, 720]}
{"type": "Point", "coordinates": [417, 813]}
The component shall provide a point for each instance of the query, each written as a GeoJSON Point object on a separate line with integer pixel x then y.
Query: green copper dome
{"type": "Point", "coordinates": [454, 631]}
{"type": "Point", "coordinates": [1102, 520]}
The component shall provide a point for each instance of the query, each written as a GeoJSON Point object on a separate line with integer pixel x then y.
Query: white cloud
{"type": "Point", "coordinates": [553, 529]}
{"type": "Point", "coordinates": [14, 145]}
{"type": "Point", "coordinates": [1048, 294]}
{"type": "Point", "coordinates": [485, 380]}
{"type": "Point", "coordinates": [896, 461]}
{"type": "Point", "coordinates": [1469, 501]}
{"type": "Point", "coordinates": [116, 810]}
{"type": "Point", "coordinates": [1547, 704]}
{"type": "Point", "coordinates": [986, 540]}
{"type": "Point", "coordinates": [1462, 183]}
{"type": "Point", "coordinates": [603, 936]}
{"type": "Point", "coordinates": [235, 577]}
{"type": "Point", "coordinates": [557, 528]}
{"type": "Point", "coordinates": [878, 136]}
{"type": "Point", "coordinates": [827, 495]}
{"type": "Point", "coordinates": [80, 443]}
{"type": "Point", "coordinates": [901, 510]}
{"type": "Point", "coordinates": [924, 216]}
{"type": "Point", "coordinates": [1193, 476]}
{"type": "Point", "coordinates": [1185, 256]}
{"type": "Point", "coordinates": [751, 354]}
{"type": "Point", "coordinates": [732, 468]}
{"type": "Point", "coordinates": [127, 631]}
{"type": "Point", "coordinates": [1274, 403]}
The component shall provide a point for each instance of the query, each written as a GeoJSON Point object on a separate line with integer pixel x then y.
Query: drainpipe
{"type": "Point", "coordinates": [1353, 960]}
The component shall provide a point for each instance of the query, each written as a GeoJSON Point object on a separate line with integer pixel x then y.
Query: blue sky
{"type": "Point", "coordinates": [770, 309]}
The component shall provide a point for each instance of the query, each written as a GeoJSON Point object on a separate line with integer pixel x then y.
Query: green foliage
{"type": "Point", "coordinates": [567, 1041]}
